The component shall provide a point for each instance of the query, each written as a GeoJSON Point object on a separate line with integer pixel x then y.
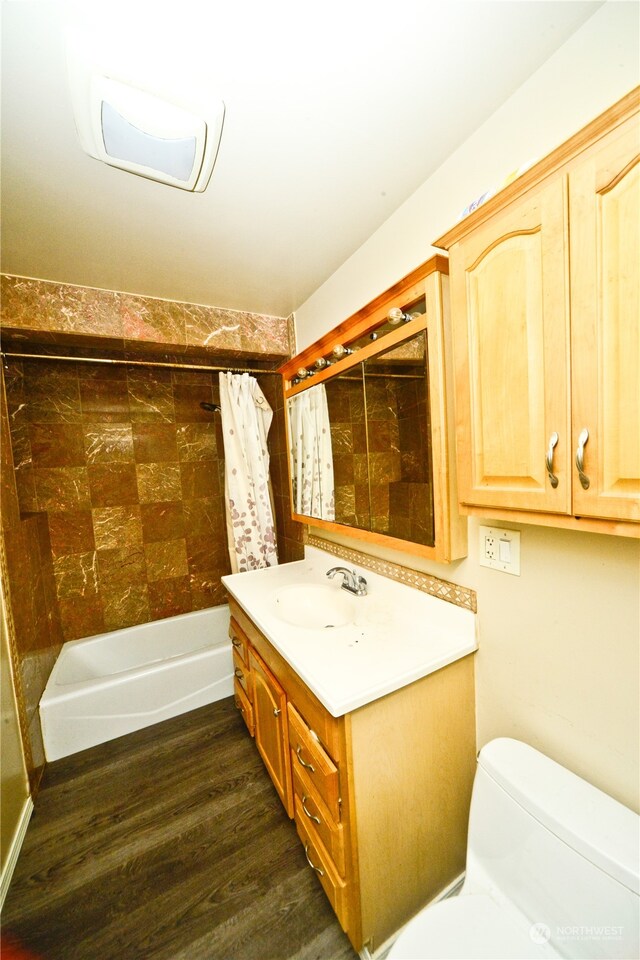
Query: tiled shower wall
{"type": "Point", "coordinates": [128, 469]}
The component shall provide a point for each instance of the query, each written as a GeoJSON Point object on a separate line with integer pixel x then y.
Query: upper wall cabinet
{"type": "Point", "coordinates": [370, 423]}
{"type": "Point", "coordinates": [545, 302]}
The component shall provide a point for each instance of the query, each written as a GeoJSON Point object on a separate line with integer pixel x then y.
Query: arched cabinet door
{"type": "Point", "coordinates": [511, 328]}
{"type": "Point", "coordinates": [604, 210]}
{"type": "Point", "coordinates": [271, 730]}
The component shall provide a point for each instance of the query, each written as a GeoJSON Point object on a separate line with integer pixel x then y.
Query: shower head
{"type": "Point", "coordinates": [211, 407]}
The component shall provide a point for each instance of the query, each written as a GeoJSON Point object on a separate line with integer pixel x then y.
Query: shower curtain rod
{"type": "Point", "coordinates": [135, 363]}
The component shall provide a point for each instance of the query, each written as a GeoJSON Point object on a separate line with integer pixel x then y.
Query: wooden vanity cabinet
{"type": "Point", "coordinates": [380, 796]}
{"type": "Point", "coordinates": [545, 311]}
{"type": "Point", "coordinates": [271, 729]}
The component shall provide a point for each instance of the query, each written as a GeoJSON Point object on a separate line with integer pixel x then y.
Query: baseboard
{"type": "Point", "coordinates": [14, 850]}
{"type": "Point", "coordinates": [450, 891]}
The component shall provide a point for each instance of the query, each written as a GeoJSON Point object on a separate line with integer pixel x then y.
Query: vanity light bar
{"type": "Point", "coordinates": [394, 316]}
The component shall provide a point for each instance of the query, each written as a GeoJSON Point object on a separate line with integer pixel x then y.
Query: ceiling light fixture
{"type": "Point", "coordinates": [140, 132]}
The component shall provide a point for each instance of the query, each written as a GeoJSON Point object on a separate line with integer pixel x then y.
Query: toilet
{"type": "Point", "coordinates": [552, 870]}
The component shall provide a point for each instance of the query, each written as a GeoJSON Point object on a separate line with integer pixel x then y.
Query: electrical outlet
{"type": "Point", "coordinates": [500, 549]}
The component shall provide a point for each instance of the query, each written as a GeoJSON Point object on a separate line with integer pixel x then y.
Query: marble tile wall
{"type": "Point", "coordinates": [35, 631]}
{"type": "Point", "coordinates": [59, 313]}
{"type": "Point", "coordinates": [128, 470]}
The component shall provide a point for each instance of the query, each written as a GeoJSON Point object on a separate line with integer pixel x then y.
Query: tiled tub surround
{"type": "Point", "coordinates": [45, 311]}
{"type": "Point", "coordinates": [35, 633]}
{"type": "Point", "coordinates": [128, 469]}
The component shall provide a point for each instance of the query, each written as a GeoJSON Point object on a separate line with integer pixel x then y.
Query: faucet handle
{"type": "Point", "coordinates": [361, 583]}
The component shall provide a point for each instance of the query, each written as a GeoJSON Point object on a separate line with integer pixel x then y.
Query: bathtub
{"type": "Point", "coordinates": [106, 686]}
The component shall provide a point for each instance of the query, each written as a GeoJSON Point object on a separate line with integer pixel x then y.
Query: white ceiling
{"type": "Point", "coordinates": [336, 112]}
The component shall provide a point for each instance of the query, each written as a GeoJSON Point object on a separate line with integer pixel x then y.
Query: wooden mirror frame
{"type": "Point", "coordinates": [428, 282]}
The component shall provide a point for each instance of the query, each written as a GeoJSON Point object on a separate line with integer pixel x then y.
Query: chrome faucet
{"type": "Point", "coordinates": [351, 580]}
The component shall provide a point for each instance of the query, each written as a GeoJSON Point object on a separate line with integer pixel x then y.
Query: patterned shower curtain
{"type": "Point", "coordinates": [311, 454]}
{"type": "Point", "coordinates": [246, 418]}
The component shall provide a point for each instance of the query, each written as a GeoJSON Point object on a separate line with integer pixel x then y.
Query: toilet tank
{"type": "Point", "coordinates": [562, 852]}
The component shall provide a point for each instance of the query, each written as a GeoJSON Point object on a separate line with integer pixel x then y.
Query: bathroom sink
{"type": "Point", "coordinates": [315, 606]}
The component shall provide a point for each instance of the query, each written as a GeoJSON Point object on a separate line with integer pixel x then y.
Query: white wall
{"type": "Point", "coordinates": [559, 659]}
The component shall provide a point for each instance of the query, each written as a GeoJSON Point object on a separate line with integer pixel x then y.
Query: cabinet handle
{"type": "Point", "coordinates": [582, 442]}
{"type": "Point", "coordinates": [276, 712]}
{"type": "Point", "coordinates": [236, 643]}
{"type": "Point", "coordinates": [310, 815]}
{"type": "Point", "coordinates": [239, 706]}
{"type": "Point", "coordinates": [307, 766]}
{"type": "Point", "coordinates": [553, 440]}
{"type": "Point", "coordinates": [312, 865]}
{"type": "Point", "coordinates": [238, 673]}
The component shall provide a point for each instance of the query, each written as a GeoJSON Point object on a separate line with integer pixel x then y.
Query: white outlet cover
{"type": "Point", "coordinates": [495, 544]}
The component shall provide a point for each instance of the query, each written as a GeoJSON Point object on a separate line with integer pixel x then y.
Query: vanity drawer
{"type": "Point", "coordinates": [242, 675]}
{"type": "Point", "coordinates": [244, 706]}
{"type": "Point", "coordinates": [239, 641]}
{"type": "Point", "coordinates": [308, 753]}
{"type": "Point", "coordinates": [311, 810]}
{"type": "Point", "coordinates": [334, 887]}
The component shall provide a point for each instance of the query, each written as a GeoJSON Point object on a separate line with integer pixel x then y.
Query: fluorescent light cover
{"type": "Point", "coordinates": [124, 141]}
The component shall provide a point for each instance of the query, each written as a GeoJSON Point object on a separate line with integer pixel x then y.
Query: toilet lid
{"type": "Point", "coordinates": [472, 927]}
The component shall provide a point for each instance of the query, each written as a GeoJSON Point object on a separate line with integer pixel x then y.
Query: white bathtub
{"type": "Point", "coordinates": [103, 687]}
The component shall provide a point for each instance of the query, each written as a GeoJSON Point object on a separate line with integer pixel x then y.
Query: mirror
{"type": "Point", "coordinates": [360, 445]}
{"type": "Point", "coordinates": [371, 423]}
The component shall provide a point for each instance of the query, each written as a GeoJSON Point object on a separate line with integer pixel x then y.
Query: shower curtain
{"type": "Point", "coordinates": [246, 418]}
{"type": "Point", "coordinates": [311, 454]}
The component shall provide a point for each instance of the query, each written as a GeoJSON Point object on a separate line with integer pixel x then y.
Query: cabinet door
{"type": "Point", "coordinates": [604, 195]}
{"type": "Point", "coordinates": [510, 322]}
{"type": "Point", "coordinates": [271, 730]}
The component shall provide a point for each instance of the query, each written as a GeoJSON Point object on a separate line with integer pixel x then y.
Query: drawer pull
{"type": "Point", "coordinates": [310, 815]}
{"type": "Point", "coordinates": [307, 766]}
{"type": "Point", "coordinates": [239, 706]}
{"type": "Point", "coordinates": [236, 643]}
{"type": "Point", "coordinates": [276, 712]}
{"type": "Point", "coordinates": [238, 673]}
{"type": "Point", "coordinates": [553, 440]}
{"type": "Point", "coordinates": [312, 865]}
{"type": "Point", "coordinates": [582, 442]}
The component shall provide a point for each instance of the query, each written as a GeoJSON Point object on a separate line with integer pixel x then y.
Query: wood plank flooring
{"type": "Point", "coordinates": [168, 844]}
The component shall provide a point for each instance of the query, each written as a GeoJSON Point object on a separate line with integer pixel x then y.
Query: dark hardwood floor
{"type": "Point", "coordinates": [168, 844]}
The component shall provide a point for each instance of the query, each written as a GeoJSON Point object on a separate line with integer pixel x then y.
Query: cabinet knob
{"type": "Point", "coordinates": [582, 442]}
{"type": "Point", "coordinates": [276, 712]}
{"type": "Point", "coordinates": [236, 643]}
{"type": "Point", "coordinates": [238, 673]}
{"type": "Point", "coordinates": [553, 440]}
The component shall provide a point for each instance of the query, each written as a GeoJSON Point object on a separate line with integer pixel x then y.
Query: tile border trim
{"type": "Point", "coordinates": [442, 589]}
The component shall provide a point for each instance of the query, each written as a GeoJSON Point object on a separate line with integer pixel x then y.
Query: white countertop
{"type": "Point", "coordinates": [396, 634]}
